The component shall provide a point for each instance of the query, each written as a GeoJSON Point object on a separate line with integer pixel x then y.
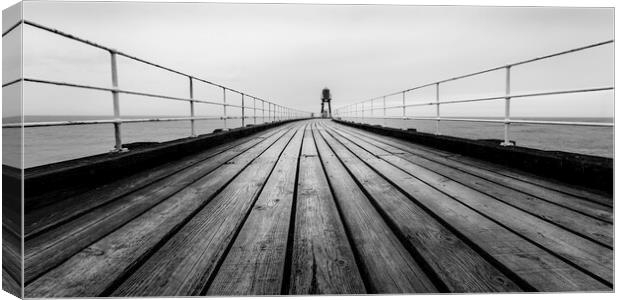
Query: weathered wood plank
{"type": "Point", "coordinates": [456, 265]}
{"type": "Point", "coordinates": [10, 284]}
{"type": "Point", "coordinates": [544, 182]}
{"type": "Point", "coordinates": [60, 211]}
{"type": "Point", "coordinates": [92, 270]}
{"type": "Point", "coordinates": [590, 256]}
{"type": "Point", "coordinates": [12, 254]}
{"type": "Point", "coordinates": [589, 203]}
{"type": "Point", "coordinates": [255, 263]}
{"type": "Point", "coordinates": [581, 224]}
{"type": "Point", "coordinates": [386, 263]}
{"type": "Point", "coordinates": [185, 263]}
{"type": "Point", "coordinates": [46, 251]}
{"type": "Point", "coordinates": [537, 267]}
{"type": "Point", "coordinates": [322, 260]}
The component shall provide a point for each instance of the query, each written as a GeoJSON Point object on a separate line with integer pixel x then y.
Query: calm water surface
{"type": "Point", "coordinates": [44, 145]}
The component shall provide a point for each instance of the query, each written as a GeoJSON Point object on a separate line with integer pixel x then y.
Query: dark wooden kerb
{"type": "Point", "coordinates": [69, 177]}
{"type": "Point", "coordinates": [577, 169]}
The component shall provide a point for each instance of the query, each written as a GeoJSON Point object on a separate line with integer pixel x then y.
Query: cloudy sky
{"type": "Point", "coordinates": [288, 53]}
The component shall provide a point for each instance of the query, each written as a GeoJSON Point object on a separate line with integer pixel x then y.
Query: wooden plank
{"type": "Point", "coordinates": [10, 284]}
{"type": "Point", "coordinates": [544, 182]}
{"type": "Point", "coordinates": [12, 255]}
{"type": "Point", "coordinates": [539, 268]}
{"type": "Point", "coordinates": [255, 263]}
{"type": "Point", "coordinates": [60, 211]}
{"type": "Point", "coordinates": [580, 200]}
{"type": "Point", "coordinates": [46, 251]}
{"type": "Point", "coordinates": [590, 256]}
{"type": "Point", "coordinates": [138, 236]}
{"type": "Point", "coordinates": [458, 266]}
{"type": "Point", "coordinates": [322, 259]}
{"type": "Point", "coordinates": [593, 229]}
{"type": "Point", "coordinates": [386, 263]}
{"type": "Point", "coordinates": [185, 264]}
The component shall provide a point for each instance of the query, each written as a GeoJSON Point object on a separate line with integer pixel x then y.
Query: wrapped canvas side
{"type": "Point", "coordinates": [12, 151]}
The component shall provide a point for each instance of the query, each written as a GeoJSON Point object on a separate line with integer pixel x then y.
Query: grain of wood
{"type": "Point", "coordinates": [587, 202]}
{"type": "Point", "coordinates": [458, 266]}
{"type": "Point", "coordinates": [11, 285]}
{"type": "Point", "coordinates": [48, 250]}
{"type": "Point", "coordinates": [322, 260]}
{"type": "Point", "coordinates": [255, 263]}
{"type": "Point", "coordinates": [584, 225]}
{"type": "Point", "coordinates": [590, 256]}
{"type": "Point", "coordinates": [386, 263]}
{"type": "Point", "coordinates": [12, 254]}
{"type": "Point", "coordinates": [186, 262]}
{"type": "Point", "coordinates": [61, 210]}
{"type": "Point", "coordinates": [406, 208]}
{"type": "Point", "coordinates": [539, 268]}
{"type": "Point", "coordinates": [94, 269]}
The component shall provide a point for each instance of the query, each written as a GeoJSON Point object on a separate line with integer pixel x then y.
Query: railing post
{"type": "Point", "coordinates": [438, 113]}
{"type": "Point", "coordinates": [254, 104]}
{"type": "Point", "coordinates": [191, 106]}
{"type": "Point", "coordinates": [262, 110]}
{"type": "Point", "coordinates": [362, 121]}
{"type": "Point", "coordinates": [507, 111]}
{"type": "Point", "coordinates": [242, 110]}
{"type": "Point", "coordinates": [404, 108]}
{"type": "Point", "coordinates": [118, 144]}
{"type": "Point", "coordinates": [372, 109]}
{"type": "Point", "coordinates": [224, 104]}
{"type": "Point", "coordinates": [384, 115]}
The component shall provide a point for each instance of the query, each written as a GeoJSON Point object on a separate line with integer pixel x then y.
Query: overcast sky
{"type": "Point", "coordinates": [288, 53]}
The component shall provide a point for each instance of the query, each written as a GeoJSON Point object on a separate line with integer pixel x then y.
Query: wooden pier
{"type": "Point", "coordinates": [317, 207]}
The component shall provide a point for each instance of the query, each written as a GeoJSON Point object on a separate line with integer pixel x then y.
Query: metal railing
{"type": "Point", "coordinates": [274, 112]}
{"type": "Point", "coordinates": [354, 111]}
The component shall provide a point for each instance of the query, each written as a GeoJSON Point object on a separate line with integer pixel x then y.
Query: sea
{"type": "Point", "coordinates": [46, 145]}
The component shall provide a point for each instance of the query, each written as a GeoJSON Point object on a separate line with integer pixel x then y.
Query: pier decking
{"type": "Point", "coordinates": [319, 207]}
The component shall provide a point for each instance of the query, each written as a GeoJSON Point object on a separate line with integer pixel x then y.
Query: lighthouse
{"type": "Point", "coordinates": [326, 98]}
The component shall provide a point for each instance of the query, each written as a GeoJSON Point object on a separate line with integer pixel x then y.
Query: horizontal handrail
{"type": "Point", "coordinates": [526, 95]}
{"type": "Point", "coordinates": [112, 121]}
{"type": "Point", "coordinates": [129, 92]}
{"type": "Point", "coordinates": [274, 111]}
{"type": "Point", "coordinates": [353, 110]}
{"type": "Point", "coordinates": [11, 28]}
{"type": "Point", "coordinates": [109, 49]}
{"type": "Point", "coordinates": [492, 69]}
{"type": "Point", "coordinates": [502, 121]}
